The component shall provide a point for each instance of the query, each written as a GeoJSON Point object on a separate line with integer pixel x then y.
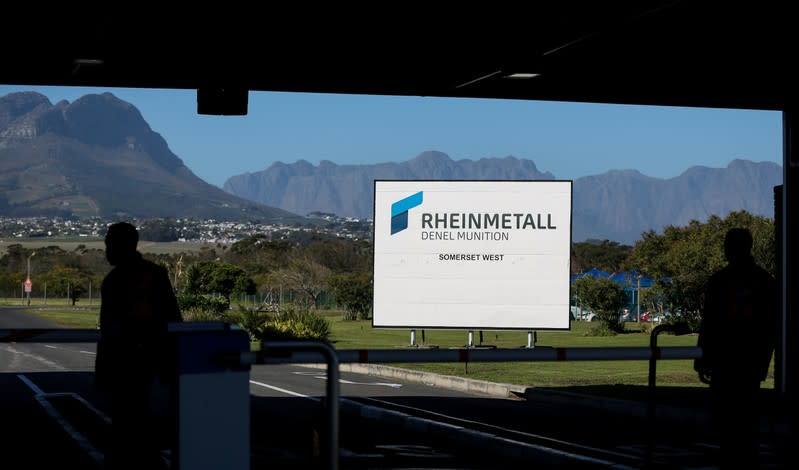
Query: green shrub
{"type": "Point", "coordinates": [251, 320]}
{"type": "Point", "coordinates": [601, 328]}
{"type": "Point", "coordinates": [195, 314]}
{"type": "Point", "coordinates": [204, 303]}
{"type": "Point", "coordinates": [294, 323]}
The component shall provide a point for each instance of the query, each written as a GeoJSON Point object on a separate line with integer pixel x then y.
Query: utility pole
{"type": "Point", "coordinates": [638, 300]}
{"type": "Point", "coordinates": [28, 282]}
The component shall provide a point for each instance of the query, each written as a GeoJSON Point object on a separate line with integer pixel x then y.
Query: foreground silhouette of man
{"type": "Point", "coordinates": [133, 352]}
{"type": "Point", "coordinates": [737, 338]}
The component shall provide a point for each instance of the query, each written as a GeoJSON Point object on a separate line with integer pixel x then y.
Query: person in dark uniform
{"type": "Point", "coordinates": [737, 338]}
{"type": "Point", "coordinates": [133, 350]}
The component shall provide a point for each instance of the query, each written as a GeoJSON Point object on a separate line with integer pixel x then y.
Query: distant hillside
{"type": "Point", "coordinates": [98, 157]}
{"type": "Point", "coordinates": [347, 190]}
{"type": "Point", "coordinates": [618, 205]}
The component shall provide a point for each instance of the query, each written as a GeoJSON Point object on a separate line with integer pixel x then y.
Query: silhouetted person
{"type": "Point", "coordinates": [737, 340]}
{"type": "Point", "coordinates": [133, 351]}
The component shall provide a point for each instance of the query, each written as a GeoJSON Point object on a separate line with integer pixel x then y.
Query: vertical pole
{"type": "Point", "coordinates": [29, 276]}
{"type": "Point", "coordinates": [413, 337]}
{"type": "Point", "coordinates": [470, 339]}
{"type": "Point", "coordinates": [531, 339]}
{"type": "Point", "coordinates": [638, 300]}
{"type": "Point", "coordinates": [788, 350]}
{"type": "Point", "coordinates": [332, 388]}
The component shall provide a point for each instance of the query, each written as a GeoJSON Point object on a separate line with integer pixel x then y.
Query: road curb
{"type": "Point", "coordinates": [611, 405]}
{"type": "Point", "coordinates": [448, 382]}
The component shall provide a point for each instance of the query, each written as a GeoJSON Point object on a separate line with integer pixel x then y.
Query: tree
{"type": "Point", "coordinates": [653, 299]}
{"type": "Point", "coordinates": [306, 276]}
{"type": "Point", "coordinates": [605, 255]}
{"type": "Point", "coordinates": [681, 259]}
{"type": "Point", "coordinates": [67, 282]}
{"type": "Point", "coordinates": [602, 296]}
{"type": "Point", "coordinates": [259, 255]}
{"type": "Point", "coordinates": [210, 277]}
{"type": "Point", "coordinates": [158, 230]}
{"type": "Point", "coordinates": [341, 256]}
{"type": "Point", "coordinates": [11, 283]}
{"type": "Point", "coordinates": [353, 291]}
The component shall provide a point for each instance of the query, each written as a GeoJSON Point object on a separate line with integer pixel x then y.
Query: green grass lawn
{"type": "Point", "coordinates": [63, 313]}
{"type": "Point", "coordinates": [360, 334]}
{"type": "Point", "coordinates": [675, 379]}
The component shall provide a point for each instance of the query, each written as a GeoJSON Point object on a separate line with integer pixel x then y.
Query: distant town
{"type": "Point", "coordinates": [188, 230]}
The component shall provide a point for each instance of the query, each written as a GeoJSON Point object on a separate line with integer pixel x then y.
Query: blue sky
{"type": "Point", "coordinates": [570, 140]}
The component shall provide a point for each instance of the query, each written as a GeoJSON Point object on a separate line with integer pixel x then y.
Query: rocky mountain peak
{"type": "Point", "coordinates": [98, 156]}
{"type": "Point", "coordinates": [95, 119]}
{"type": "Point", "coordinates": [20, 114]}
{"type": "Point", "coordinates": [14, 105]}
{"type": "Point", "coordinates": [121, 122]}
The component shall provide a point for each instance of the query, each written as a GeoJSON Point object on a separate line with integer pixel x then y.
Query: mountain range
{"type": "Point", "coordinates": [97, 156]}
{"type": "Point", "coordinates": [618, 205]}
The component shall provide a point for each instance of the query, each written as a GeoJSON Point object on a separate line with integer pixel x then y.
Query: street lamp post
{"type": "Point", "coordinates": [28, 283]}
{"type": "Point", "coordinates": [638, 300]}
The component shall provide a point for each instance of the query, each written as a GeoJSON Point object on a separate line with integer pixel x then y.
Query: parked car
{"type": "Point", "coordinates": [659, 317]}
{"type": "Point", "coordinates": [581, 314]}
{"type": "Point", "coordinates": [628, 316]}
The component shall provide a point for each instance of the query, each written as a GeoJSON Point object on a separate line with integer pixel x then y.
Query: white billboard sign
{"type": "Point", "coordinates": [472, 254]}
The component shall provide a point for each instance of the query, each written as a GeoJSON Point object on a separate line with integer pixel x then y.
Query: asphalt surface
{"type": "Point", "coordinates": [36, 406]}
{"type": "Point", "coordinates": [51, 417]}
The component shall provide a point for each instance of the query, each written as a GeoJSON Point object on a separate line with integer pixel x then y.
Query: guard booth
{"type": "Point", "coordinates": [212, 397]}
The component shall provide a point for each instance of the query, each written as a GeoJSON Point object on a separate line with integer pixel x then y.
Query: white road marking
{"type": "Point", "coordinates": [381, 384]}
{"type": "Point", "coordinates": [41, 359]}
{"type": "Point", "coordinates": [318, 375]}
{"type": "Point", "coordinates": [283, 390]}
{"type": "Point", "coordinates": [50, 346]}
{"type": "Point", "coordinates": [82, 441]}
{"type": "Point", "coordinates": [31, 385]}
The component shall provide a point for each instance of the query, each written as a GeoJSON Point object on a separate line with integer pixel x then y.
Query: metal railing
{"type": "Point", "coordinates": [298, 352]}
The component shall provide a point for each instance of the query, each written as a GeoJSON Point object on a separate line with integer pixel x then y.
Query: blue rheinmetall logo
{"type": "Point", "coordinates": [399, 211]}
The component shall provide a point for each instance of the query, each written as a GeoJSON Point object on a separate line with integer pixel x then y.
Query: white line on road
{"type": "Point", "coordinates": [18, 353]}
{"type": "Point", "coordinates": [321, 375]}
{"type": "Point", "coordinates": [283, 390]}
{"type": "Point", "coordinates": [381, 384]}
{"type": "Point", "coordinates": [31, 385]}
{"type": "Point", "coordinates": [82, 441]}
{"type": "Point", "coordinates": [67, 349]}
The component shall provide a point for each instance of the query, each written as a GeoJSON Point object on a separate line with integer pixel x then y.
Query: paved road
{"type": "Point", "coordinates": [381, 425]}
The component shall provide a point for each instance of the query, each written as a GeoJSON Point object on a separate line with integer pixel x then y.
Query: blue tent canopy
{"type": "Point", "coordinates": [593, 272]}
{"type": "Point", "coordinates": [623, 278]}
